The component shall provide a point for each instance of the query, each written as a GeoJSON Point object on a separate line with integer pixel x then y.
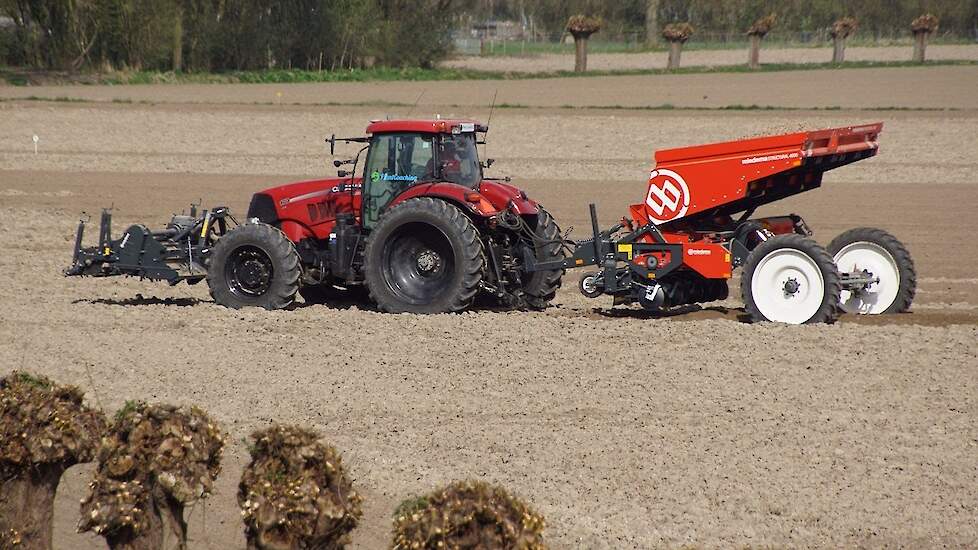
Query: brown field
{"type": "Point", "coordinates": [624, 430]}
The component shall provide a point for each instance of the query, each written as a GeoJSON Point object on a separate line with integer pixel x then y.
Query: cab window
{"type": "Point", "coordinates": [395, 163]}
{"type": "Point", "coordinates": [459, 159]}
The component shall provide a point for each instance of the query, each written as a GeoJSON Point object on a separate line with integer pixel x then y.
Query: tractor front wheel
{"type": "Point", "coordinates": [254, 265]}
{"type": "Point", "coordinates": [791, 279]}
{"type": "Point", "coordinates": [424, 256]}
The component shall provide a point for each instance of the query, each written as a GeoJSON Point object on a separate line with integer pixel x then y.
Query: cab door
{"type": "Point", "coordinates": [395, 163]}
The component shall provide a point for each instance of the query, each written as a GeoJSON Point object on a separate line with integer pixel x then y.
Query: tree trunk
{"type": "Point", "coordinates": [652, 22]}
{"type": "Point", "coordinates": [580, 61]}
{"type": "Point", "coordinates": [166, 530]}
{"type": "Point", "coordinates": [27, 505]}
{"type": "Point", "coordinates": [178, 39]}
{"type": "Point", "coordinates": [755, 52]}
{"type": "Point", "coordinates": [675, 52]}
{"type": "Point", "coordinates": [920, 47]}
{"type": "Point", "coordinates": [839, 49]}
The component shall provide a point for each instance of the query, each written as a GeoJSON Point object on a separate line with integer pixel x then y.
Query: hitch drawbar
{"type": "Point", "coordinates": [178, 253]}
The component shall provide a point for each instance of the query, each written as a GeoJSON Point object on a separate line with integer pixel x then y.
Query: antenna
{"type": "Point", "coordinates": [485, 136]}
{"type": "Point", "coordinates": [416, 101]}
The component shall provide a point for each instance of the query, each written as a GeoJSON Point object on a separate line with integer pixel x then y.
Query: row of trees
{"type": "Point", "coordinates": [581, 27]}
{"type": "Point", "coordinates": [732, 17]}
{"type": "Point", "coordinates": [205, 35]}
{"type": "Point", "coordinates": [213, 35]}
{"type": "Point", "coordinates": [154, 461]}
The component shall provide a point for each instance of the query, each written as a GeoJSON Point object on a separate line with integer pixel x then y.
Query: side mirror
{"type": "Point", "coordinates": [337, 163]}
{"type": "Point", "coordinates": [342, 173]}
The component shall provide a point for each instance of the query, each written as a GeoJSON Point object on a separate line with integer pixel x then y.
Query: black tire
{"type": "Point", "coordinates": [907, 285]}
{"type": "Point", "coordinates": [424, 256]}
{"type": "Point", "coordinates": [827, 306]}
{"type": "Point", "coordinates": [540, 287]}
{"type": "Point", "coordinates": [254, 265]}
{"type": "Point", "coordinates": [588, 285]}
{"type": "Point", "coordinates": [330, 294]}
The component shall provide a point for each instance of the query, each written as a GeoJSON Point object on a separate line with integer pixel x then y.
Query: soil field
{"type": "Point", "coordinates": [937, 87]}
{"type": "Point", "coordinates": [699, 58]}
{"type": "Point", "coordinates": [623, 429]}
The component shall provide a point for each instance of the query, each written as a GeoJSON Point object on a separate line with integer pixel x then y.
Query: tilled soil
{"type": "Point", "coordinates": [930, 87]}
{"type": "Point", "coordinates": [699, 58]}
{"type": "Point", "coordinates": [623, 429]}
{"type": "Point", "coordinates": [580, 144]}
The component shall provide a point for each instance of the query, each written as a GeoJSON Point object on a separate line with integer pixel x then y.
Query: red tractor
{"type": "Point", "coordinates": [420, 228]}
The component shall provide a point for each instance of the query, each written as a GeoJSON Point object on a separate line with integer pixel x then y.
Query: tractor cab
{"type": "Point", "coordinates": [403, 154]}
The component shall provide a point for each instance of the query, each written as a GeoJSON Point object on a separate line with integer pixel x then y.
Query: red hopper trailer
{"type": "Point", "coordinates": [695, 226]}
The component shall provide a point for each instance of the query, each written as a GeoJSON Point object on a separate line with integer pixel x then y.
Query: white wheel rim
{"type": "Point", "coordinates": [877, 297]}
{"type": "Point", "coordinates": [780, 302]}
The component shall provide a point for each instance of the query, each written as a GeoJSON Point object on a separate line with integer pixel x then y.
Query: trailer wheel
{"type": "Point", "coordinates": [424, 256]}
{"type": "Point", "coordinates": [868, 250]}
{"type": "Point", "coordinates": [791, 279]}
{"type": "Point", "coordinates": [254, 265]}
{"type": "Point", "coordinates": [540, 287]}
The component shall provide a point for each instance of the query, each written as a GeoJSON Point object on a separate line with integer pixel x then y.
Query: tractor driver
{"type": "Point", "coordinates": [457, 158]}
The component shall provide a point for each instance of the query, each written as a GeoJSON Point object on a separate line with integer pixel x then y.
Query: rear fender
{"type": "Point", "coordinates": [470, 201]}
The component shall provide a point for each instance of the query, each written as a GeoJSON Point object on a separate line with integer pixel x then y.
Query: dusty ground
{"type": "Point", "coordinates": [624, 430]}
{"type": "Point", "coordinates": [710, 58]}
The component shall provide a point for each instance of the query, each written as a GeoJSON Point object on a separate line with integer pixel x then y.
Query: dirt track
{"type": "Point", "coordinates": [624, 431]}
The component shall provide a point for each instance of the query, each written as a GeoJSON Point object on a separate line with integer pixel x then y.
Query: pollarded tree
{"type": "Point", "coordinates": [581, 27]}
{"type": "Point", "coordinates": [44, 429]}
{"type": "Point", "coordinates": [922, 28]}
{"type": "Point", "coordinates": [676, 34]}
{"type": "Point", "coordinates": [841, 30]}
{"type": "Point", "coordinates": [295, 492]}
{"type": "Point", "coordinates": [468, 514]}
{"type": "Point", "coordinates": [757, 32]}
{"type": "Point", "coordinates": [154, 461]}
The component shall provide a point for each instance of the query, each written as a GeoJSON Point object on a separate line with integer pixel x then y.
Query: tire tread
{"type": "Point", "coordinates": [830, 308]}
{"type": "Point", "coordinates": [905, 265]}
{"type": "Point", "coordinates": [473, 257]}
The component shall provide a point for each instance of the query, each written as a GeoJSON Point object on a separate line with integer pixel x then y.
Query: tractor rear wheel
{"type": "Point", "coordinates": [424, 256]}
{"type": "Point", "coordinates": [875, 252]}
{"type": "Point", "coordinates": [254, 265]}
{"type": "Point", "coordinates": [791, 279]}
{"type": "Point", "coordinates": [540, 287]}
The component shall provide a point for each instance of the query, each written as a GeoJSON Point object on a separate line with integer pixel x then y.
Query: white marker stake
{"type": "Point", "coordinates": [35, 139]}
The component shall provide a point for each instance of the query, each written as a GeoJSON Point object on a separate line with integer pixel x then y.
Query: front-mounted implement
{"type": "Point", "coordinates": [177, 253]}
{"type": "Point", "coordinates": [695, 226]}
